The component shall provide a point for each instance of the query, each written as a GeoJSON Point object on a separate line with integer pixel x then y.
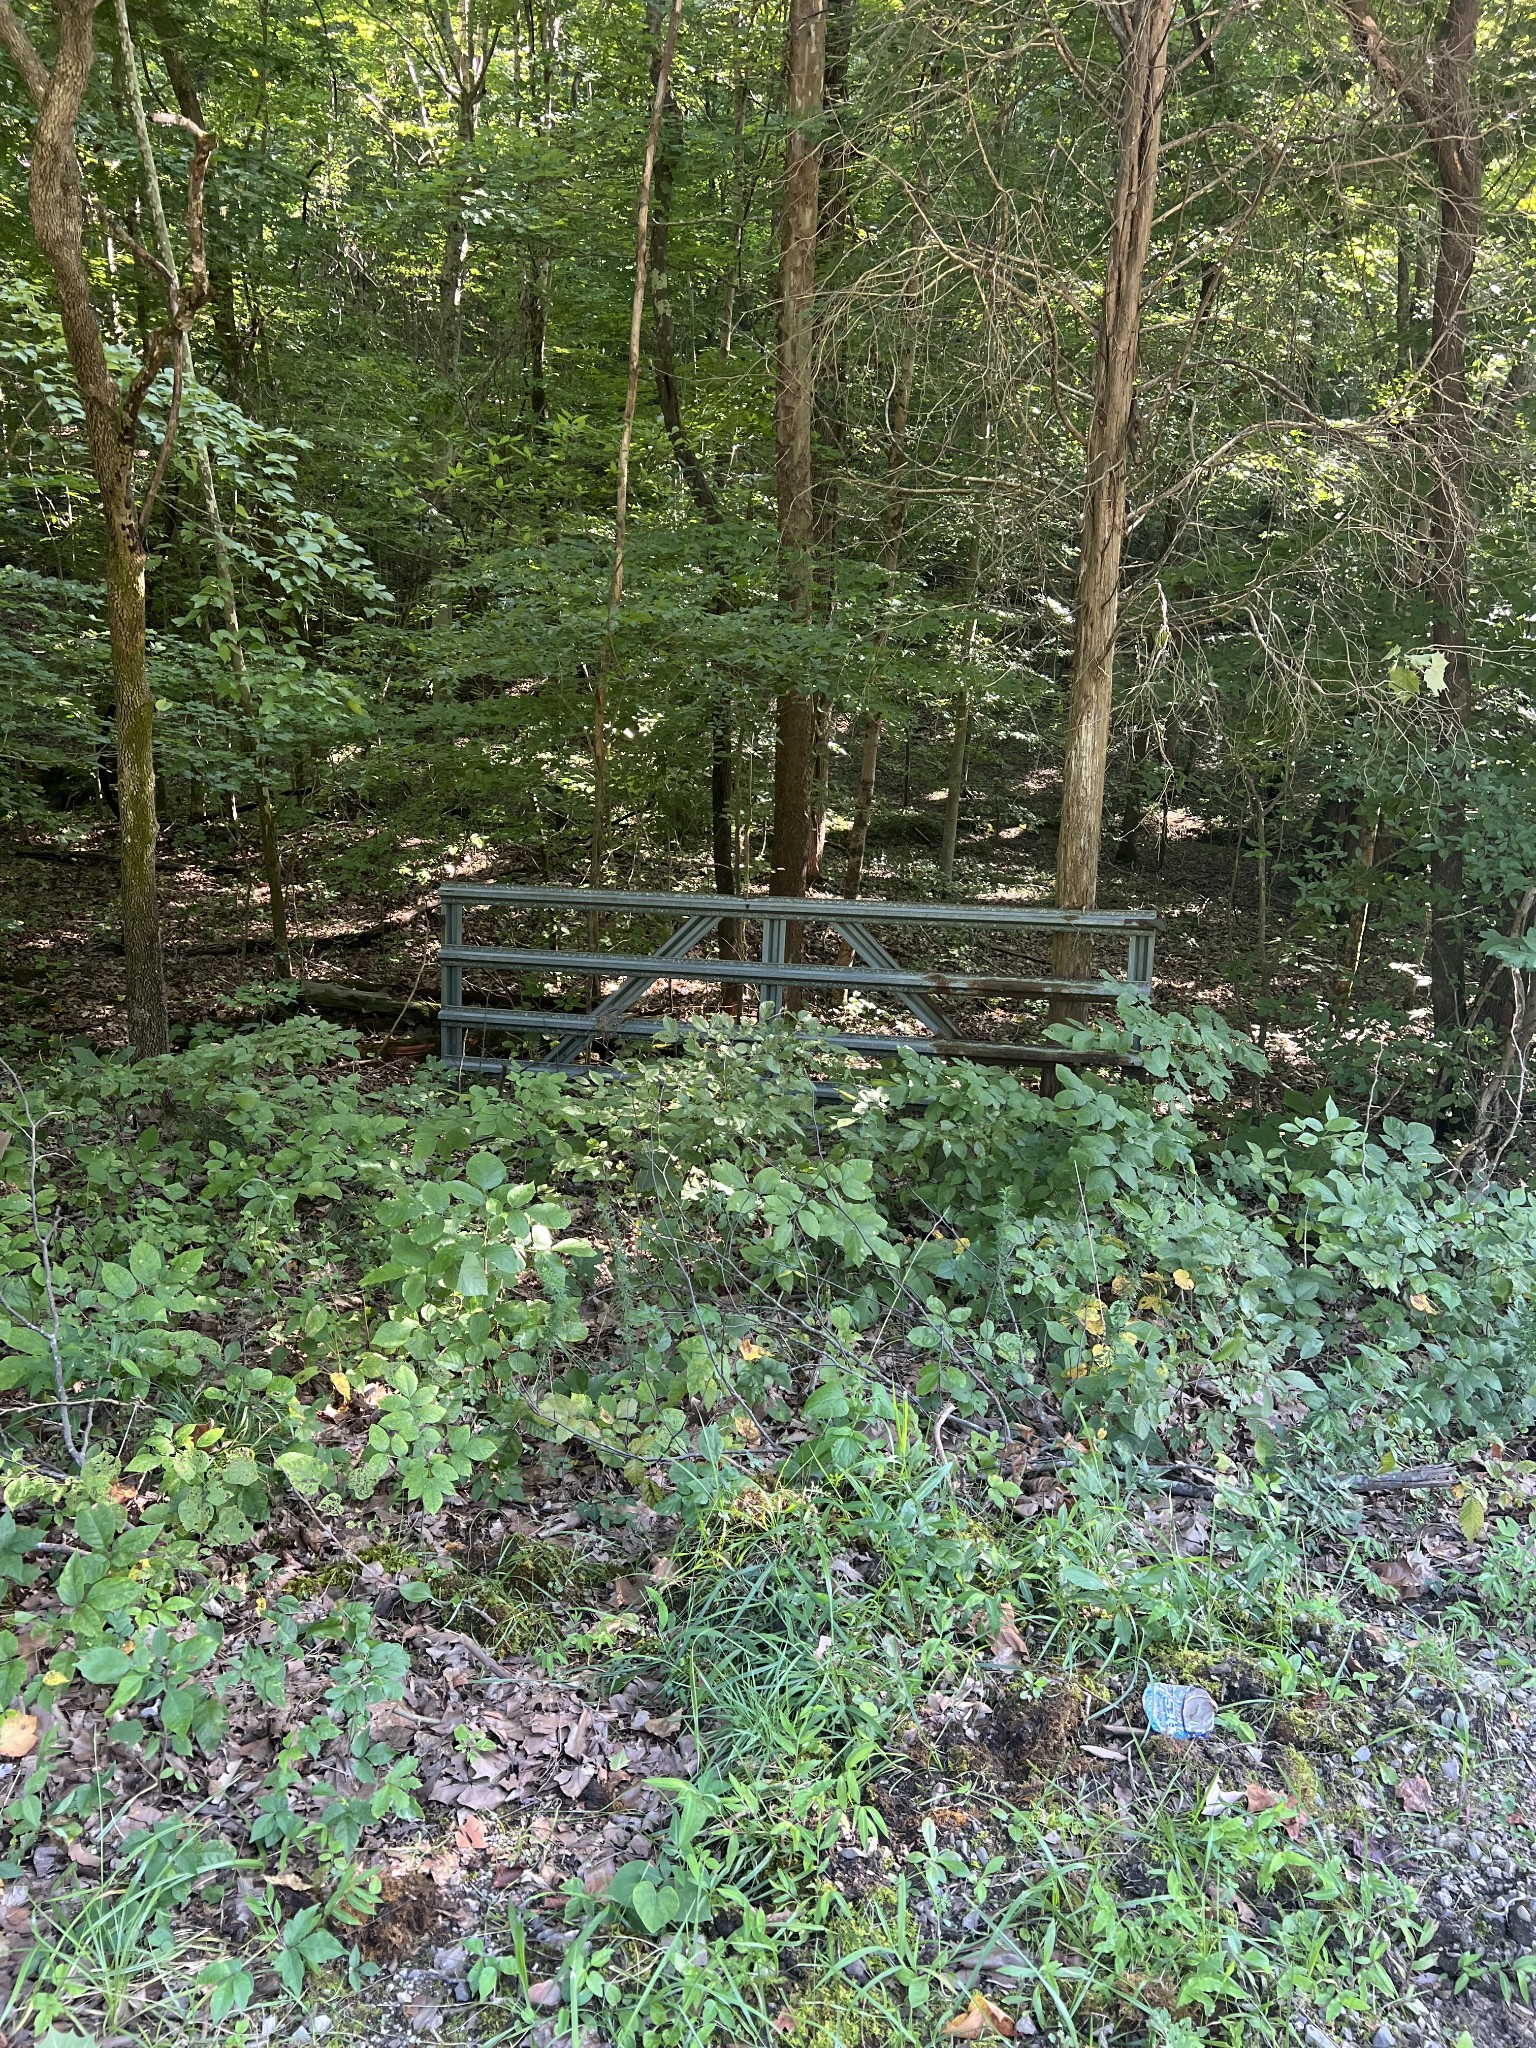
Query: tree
{"type": "Point", "coordinates": [661, 88]}
{"type": "Point", "coordinates": [1443, 109]}
{"type": "Point", "coordinates": [1143, 28]}
{"type": "Point", "coordinates": [795, 739]}
{"type": "Point", "coordinates": [111, 430]}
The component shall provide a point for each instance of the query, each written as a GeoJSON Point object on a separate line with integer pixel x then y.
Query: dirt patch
{"type": "Point", "coordinates": [411, 1912]}
{"type": "Point", "coordinates": [1030, 1736]}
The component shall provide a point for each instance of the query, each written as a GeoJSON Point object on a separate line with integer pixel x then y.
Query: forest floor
{"type": "Point", "coordinates": [838, 1755]}
{"type": "Point", "coordinates": [1026, 1859]}
{"type": "Point", "coordinates": [366, 917]}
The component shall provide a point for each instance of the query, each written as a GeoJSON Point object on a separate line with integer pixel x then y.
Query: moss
{"type": "Point", "coordinates": [1301, 1780]}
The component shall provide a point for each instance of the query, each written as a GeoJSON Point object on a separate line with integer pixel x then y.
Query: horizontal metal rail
{"type": "Point", "coordinates": [897, 980]}
{"type": "Point", "coordinates": [800, 909]}
{"type": "Point", "coordinates": [873, 969]}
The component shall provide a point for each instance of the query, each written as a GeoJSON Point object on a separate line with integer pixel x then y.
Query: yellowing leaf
{"type": "Point", "coordinates": [1472, 1517]}
{"type": "Point", "coordinates": [980, 2017]}
{"type": "Point", "coordinates": [1184, 1279]}
{"type": "Point", "coordinates": [1422, 1303]}
{"type": "Point", "coordinates": [342, 1385]}
{"type": "Point", "coordinates": [18, 1734]}
{"type": "Point", "coordinates": [1091, 1316]}
{"type": "Point", "coordinates": [750, 1351]}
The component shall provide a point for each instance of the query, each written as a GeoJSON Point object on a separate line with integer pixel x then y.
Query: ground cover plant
{"type": "Point", "coordinates": [508, 1564]}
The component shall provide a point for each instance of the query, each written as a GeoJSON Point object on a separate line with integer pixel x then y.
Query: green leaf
{"type": "Point", "coordinates": [1472, 1517]}
{"type": "Point", "coordinates": [472, 1278]}
{"type": "Point", "coordinates": [303, 1469]}
{"type": "Point", "coordinates": [118, 1280]}
{"type": "Point", "coordinates": [145, 1262]}
{"type": "Point", "coordinates": [104, 1665]}
{"type": "Point", "coordinates": [485, 1171]}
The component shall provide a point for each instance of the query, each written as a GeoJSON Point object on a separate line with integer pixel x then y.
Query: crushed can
{"type": "Point", "coordinates": [1186, 1712]}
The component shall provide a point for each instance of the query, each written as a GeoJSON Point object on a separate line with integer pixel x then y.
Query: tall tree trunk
{"type": "Point", "coordinates": [890, 561]}
{"type": "Point", "coordinates": [829, 424]}
{"type": "Point", "coordinates": [1443, 108]}
{"type": "Point", "coordinates": [454, 266]}
{"type": "Point", "coordinates": [1111, 434]}
{"type": "Point", "coordinates": [731, 282]}
{"type": "Point", "coordinates": [271, 857]}
{"type": "Point", "coordinates": [795, 739]}
{"type": "Point", "coordinates": [663, 77]}
{"type": "Point", "coordinates": [111, 421]}
{"type": "Point", "coordinates": [138, 827]}
{"type": "Point", "coordinates": [722, 758]}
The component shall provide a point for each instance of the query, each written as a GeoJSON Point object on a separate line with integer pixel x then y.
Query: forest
{"type": "Point", "coordinates": [878, 1384]}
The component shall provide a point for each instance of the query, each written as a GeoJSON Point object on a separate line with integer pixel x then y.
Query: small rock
{"type": "Point", "coordinates": [1363, 1754]}
{"type": "Point", "coordinates": [1450, 1767]}
{"type": "Point", "coordinates": [1383, 2038]}
{"type": "Point", "coordinates": [1519, 1922]}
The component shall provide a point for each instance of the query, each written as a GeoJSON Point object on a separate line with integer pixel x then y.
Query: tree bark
{"type": "Point", "coordinates": [663, 76]}
{"type": "Point", "coordinates": [1111, 435]}
{"type": "Point", "coordinates": [890, 561]}
{"type": "Point", "coordinates": [794, 398]}
{"type": "Point", "coordinates": [669, 397]}
{"type": "Point", "coordinates": [1444, 111]}
{"type": "Point", "coordinates": [111, 420]}
{"type": "Point", "coordinates": [271, 855]}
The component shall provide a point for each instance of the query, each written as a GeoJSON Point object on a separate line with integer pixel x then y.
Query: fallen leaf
{"type": "Point", "coordinates": [545, 1995]}
{"type": "Point", "coordinates": [1218, 1800]}
{"type": "Point", "coordinates": [18, 1734]}
{"type": "Point", "coordinates": [1008, 1646]}
{"type": "Point", "coordinates": [1112, 1756]}
{"type": "Point", "coordinates": [470, 1833]}
{"type": "Point", "coordinates": [783, 2021]}
{"type": "Point", "coordinates": [1415, 1795]}
{"type": "Point", "coordinates": [482, 1798]}
{"type": "Point", "coordinates": [1260, 1798]}
{"type": "Point", "coordinates": [627, 1591]}
{"type": "Point", "coordinates": [1402, 1576]}
{"type": "Point", "coordinates": [980, 2017]}
{"type": "Point", "coordinates": [1472, 1517]}
{"type": "Point", "coordinates": [745, 1426]}
{"type": "Point", "coordinates": [1295, 1825]}
{"type": "Point", "coordinates": [663, 1572]}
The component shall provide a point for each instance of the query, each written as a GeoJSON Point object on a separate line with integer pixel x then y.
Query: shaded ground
{"type": "Point", "coordinates": [64, 963]}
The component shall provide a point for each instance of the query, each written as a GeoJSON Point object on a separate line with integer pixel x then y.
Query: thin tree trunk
{"type": "Point", "coordinates": [1111, 434]}
{"type": "Point", "coordinates": [626, 436]}
{"type": "Point", "coordinates": [958, 747]}
{"type": "Point", "coordinates": [890, 562]}
{"type": "Point", "coordinates": [1444, 111]}
{"type": "Point", "coordinates": [670, 401]}
{"type": "Point", "coordinates": [795, 738]}
{"type": "Point", "coordinates": [271, 860]}
{"type": "Point", "coordinates": [455, 259]}
{"type": "Point", "coordinates": [731, 282]}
